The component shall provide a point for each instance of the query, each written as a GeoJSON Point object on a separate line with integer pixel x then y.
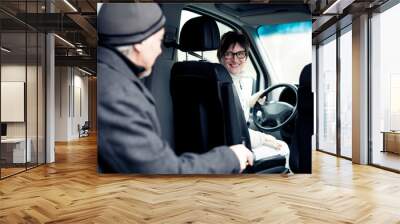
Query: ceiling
{"type": "Point", "coordinates": [76, 25]}
{"type": "Point", "coordinates": [75, 22]}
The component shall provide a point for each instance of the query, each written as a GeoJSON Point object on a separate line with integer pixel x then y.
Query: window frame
{"type": "Point", "coordinates": [332, 37]}
{"type": "Point", "coordinates": [379, 10]}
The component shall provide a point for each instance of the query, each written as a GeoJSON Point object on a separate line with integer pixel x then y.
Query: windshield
{"type": "Point", "coordinates": [288, 48]}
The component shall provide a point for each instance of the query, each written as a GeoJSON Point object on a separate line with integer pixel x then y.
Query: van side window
{"type": "Point", "coordinates": [211, 56]}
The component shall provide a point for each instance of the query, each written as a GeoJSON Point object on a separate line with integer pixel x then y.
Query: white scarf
{"type": "Point", "coordinates": [243, 92]}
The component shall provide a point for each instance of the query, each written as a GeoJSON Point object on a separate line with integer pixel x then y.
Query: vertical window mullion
{"type": "Point", "coordinates": [338, 98]}
{"type": "Point", "coordinates": [317, 96]}
{"type": "Point", "coordinates": [26, 86]}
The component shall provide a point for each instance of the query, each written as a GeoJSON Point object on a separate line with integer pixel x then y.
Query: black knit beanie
{"type": "Point", "coordinates": [128, 23]}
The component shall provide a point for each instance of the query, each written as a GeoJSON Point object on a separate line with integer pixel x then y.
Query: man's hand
{"type": "Point", "coordinates": [244, 156]}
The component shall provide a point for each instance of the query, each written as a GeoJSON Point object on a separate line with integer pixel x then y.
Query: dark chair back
{"type": "Point", "coordinates": [86, 126]}
{"type": "Point", "coordinates": [300, 149]}
{"type": "Point", "coordinates": [207, 112]}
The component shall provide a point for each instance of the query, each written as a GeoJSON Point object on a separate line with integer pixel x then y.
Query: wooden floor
{"type": "Point", "coordinates": [10, 171]}
{"type": "Point", "coordinates": [387, 159]}
{"type": "Point", "coordinates": [71, 191]}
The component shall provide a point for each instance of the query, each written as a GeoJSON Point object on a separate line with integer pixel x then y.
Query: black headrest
{"type": "Point", "coordinates": [199, 34]}
{"type": "Point", "coordinates": [305, 77]}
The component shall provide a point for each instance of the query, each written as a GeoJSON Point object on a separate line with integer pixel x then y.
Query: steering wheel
{"type": "Point", "coordinates": [273, 115]}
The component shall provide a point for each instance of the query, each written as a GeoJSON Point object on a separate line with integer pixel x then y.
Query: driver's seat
{"type": "Point", "coordinates": [207, 110]}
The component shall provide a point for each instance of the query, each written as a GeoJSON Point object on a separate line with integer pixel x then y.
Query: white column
{"type": "Point", "coordinates": [360, 90]}
{"type": "Point", "coordinates": [50, 92]}
{"type": "Point", "coordinates": [50, 108]}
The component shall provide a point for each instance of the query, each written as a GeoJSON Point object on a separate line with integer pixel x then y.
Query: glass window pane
{"type": "Point", "coordinates": [31, 96]}
{"type": "Point", "coordinates": [14, 153]}
{"type": "Point", "coordinates": [385, 114]}
{"type": "Point", "coordinates": [288, 48]}
{"type": "Point", "coordinates": [22, 88]}
{"type": "Point", "coordinates": [346, 94]}
{"type": "Point", "coordinates": [41, 98]}
{"type": "Point", "coordinates": [327, 96]}
{"type": "Point", "coordinates": [32, 86]}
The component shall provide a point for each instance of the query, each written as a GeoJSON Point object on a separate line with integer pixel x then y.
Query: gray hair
{"type": "Point", "coordinates": [125, 50]}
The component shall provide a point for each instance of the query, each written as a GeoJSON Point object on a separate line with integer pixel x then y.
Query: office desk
{"type": "Point", "coordinates": [15, 148]}
{"type": "Point", "coordinates": [391, 141]}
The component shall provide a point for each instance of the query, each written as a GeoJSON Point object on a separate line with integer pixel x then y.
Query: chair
{"type": "Point", "coordinates": [300, 149]}
{"type": "Point", "coordinates": [202, 119]}
{"type": "Point", "coordinates": [207, 110]}
{"type": "Point", "coordinates": [84, 130]}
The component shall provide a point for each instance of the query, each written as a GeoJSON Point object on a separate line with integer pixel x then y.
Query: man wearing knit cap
{"type": "Point", "coordinates": [129, 135]}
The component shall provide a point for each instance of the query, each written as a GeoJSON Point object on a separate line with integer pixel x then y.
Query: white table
{"type": "Point", "coordinates": [19, 153]}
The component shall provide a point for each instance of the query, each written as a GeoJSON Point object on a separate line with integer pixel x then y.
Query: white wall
{"type": "Point", "coordinates": [80, 109]}
{"type": "Point", "coordinates": [71, 94]}
{"type": "Point", "coordinates": [12, 101]}
{"type": "Point", "coordinates": [33, 125]}
{"type": "Point", "coordinates": [12, 73]}
{"type": "Point", "coordinates": [61, 103]}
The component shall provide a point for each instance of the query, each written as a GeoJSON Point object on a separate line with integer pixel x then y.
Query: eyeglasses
{"type": "Point", "coordinates": [239, 54]}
